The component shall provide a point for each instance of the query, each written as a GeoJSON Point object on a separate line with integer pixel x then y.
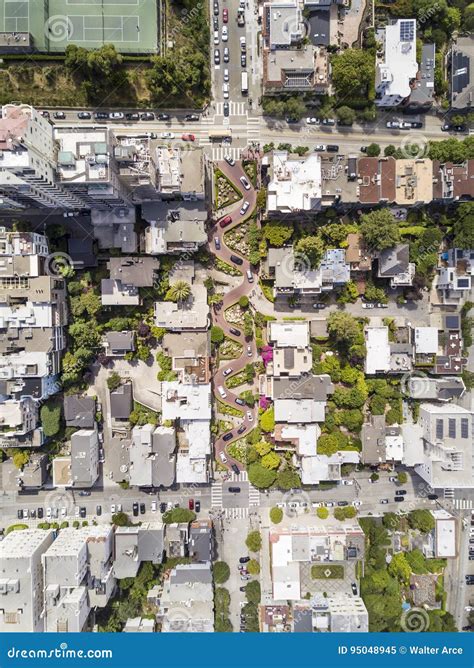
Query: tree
{"type": "Point", "coordinates": [329, 444]}
{"type": "Point", "coordinates": [114, 381]}
{"type": "Point", "coordinates": [402, 477]}
{"type": "Point", "coordinates": [322, 513]}
{"type": "Point", "coordinates": [254, 541]}
{"type": "Point", "coordinates": [267, 420]}
{"type": "Point", "coordinates": [51, 417]}
{"type": "Point", "coordinates": [311, 248]}
{"type": "Point", "coordinates": [389, 150]}
{"type": "Point", "coordinates": [346, 115]}
{"type": "Point", "coordinates": [120, 519]}
{"type": "Point", "coordinates": [179, 291]}
{"type": "Point", "coordinates": [253, 591]}
{"type": "Point", "coordinates": [400, 568]}
{"type": "Point", "coordinates": [379, 230]}
{"type": "Point", "coordinates": [253, 567]}
{"type": "Point", "coordinates": [373, 150]}
{"type": "Point", "coordinates": [391, 521]}
{"type": "Point", "coordinates": [221, 572]}
{"type": "Point", "coordinates": [263, 448]}
{"type": "Point", "coordinates": [248, 325]}
{"type": "Point", "coordinates": [261, 477]}
{"type": "Point", "coordinates": [353, 73]}
{"type": "Point", "coordinates": [244, 301]}
{"type": "Point", "coordinates": [335, 234]}
{"type": "Point", "coordinates": [179, 516]}
{"type": "Point", "coordinates": [271, 461]}
{"type": "Point", "coordinates": [277, 233]}
{"type": "Point", "coordinates": [374, 477]}
{"type": "Point", "coordinates": [217, 335]}
{"type": "Point", "coordinates": [339, 514]}
{"type": "Point", "coordinates": [288, 479]}
{"type": "Point", "coordinates": [21, 458]}
{"type": "Point", "coordinates": [349, 293]}
{"type": "Point", "coordinates": [344, 329]}
{"type": "Point", "coordinates": [464, 226]}
{"type": "Point", "coordinates": [276, 515]}
{"type": "Point", "coordinates": [422, 520]}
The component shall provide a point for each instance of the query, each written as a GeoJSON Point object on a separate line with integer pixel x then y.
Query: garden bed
{"type": "Point", "coordinates": [225, 191]}
{"type": "Point", "coordinates": [230, 349]}
{"type": "Point", "coordinates": [238, 450]}
{"type": "Point", "coordinates": [250, 168]}
{"type": "Point", "coordinates": [237, 239]}
{"type": "Point", "coordinates": [236, 381]}
{"type": "Point", "coordinates": [326, 572]}
{"type": "Point", "coordinates": [235, 315]}
{"type": "Point", "coordinates": [226, 268]}
{"type": "Point", "coordinates": [226, 409]}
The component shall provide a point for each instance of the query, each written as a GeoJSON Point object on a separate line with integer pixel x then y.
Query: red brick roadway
{"type": "Point", "coordinates": [230, 298]}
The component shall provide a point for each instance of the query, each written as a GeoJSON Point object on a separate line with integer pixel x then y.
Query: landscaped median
{"type": "Point", "coordinates": [225, 192]}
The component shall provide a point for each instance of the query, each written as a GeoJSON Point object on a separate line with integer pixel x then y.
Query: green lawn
{"type": "Point", "coordinates": [327, 572]}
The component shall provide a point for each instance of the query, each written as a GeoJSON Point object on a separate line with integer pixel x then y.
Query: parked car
{"type": "Point", "coordinates": [116, 116]}
{"type": "Point", "coordinates": [222, 457]}
{"type": "Point", "coordinates": [245, 577]}
{"type": "Point", "coordinates": [234, 490]}
{"type": "Point", "coordinates": [163, 507]}
{"type": "Point", "coordinates": [191, 117]}
{"type": "Point", "coordinates": [249, 416]}
{"type": "Point", "coordinates": [319, 305]}
{"type": "Point", "coordinates": [230, 161]}
{"type": "Point", "coordinates": [234, 331]}
{"type": "Point", "coordinates": [432, 497]}
{"type": "Point", "coordinates": [416, 124]}
{"type": "Point", "coordinates": [225, 15]}
{"type": "Point", "coordinates": [332, 148]}
{"type": "Point", "coordinates": [342, 503]}
{"type": "Point", "coordinates": [135, 509]}
{"type": "Point", "coordinates": [291, 120]}
{"type": "Point", "coordinates": [330, 504]}
{"type": "Point", "coordinates": [394, 125]}
{"type": "Point", "coordinates": [400, 492]}
{"type": "Point", "coordinates": [216, 8]}
{"type": "Point", "coordinates": [82, 512]}
{"type": "Point", "coordinates": [363, 149]}
{"type": "Point", "coordinates": [368, 305]}
{"type": "Point", "coordinates": [241, 429]}
{"type": "Point", "coordinates": [161, 117]}
{"type": "Point", "coordinates": [98, 510]}
{"type": "Point", "coordinates": [84, 115]}
{"type": "Point", "coordinates": [228, 436]}
{"type": "Point", "coordinates": [19, 514]}
{"type": "Point", "coordinates": [40, 513]}
{"type": "Point", "coordinates": [243, 60]}
{"type": "Point", "coordinates": [227, 371]}
{"type": "Point", "coordinates": [398, 499]}
{"type": "Point", "coordinates": [59, 115]}
{"type": "Point", "coordinates": [235, 469]}
{"type": "Point", "coordinates": [48, 513]}
{"type": "Point", "coordinates": [320, 147]}
{"type": "Point", "coordinates": [225, 221]}
{"type": "Point", "coordinates": [354, 588]}
{"type": "Point", "coordinates": [328, 121]}
{"type": "Point", "coordinates": [188, 137]}
{"type": "Point", "coordinates": [356, 503]}
{"type": "Point", "coordinates": [221, 391]}
{"type": "Point", "coordinates": [197, 506]}
{"type": "Point", "coordinates": [217, 243]}
{"type": "Point", "coordinates": [142, 508]}
{"type": "Point", "coordinates": [383, 501]}
{"type": "Point", "coordinates": [132, 117]}
{"type": "Point", "coordinates": [249, 351]}
{"type": "Point", "coordinates": [167, 135]}
{"type": "Point", "coordinates": [244, 182]}
{"type": "Point", "coordinates": [239, 401]}
{"type": "Point", "coordinates": [405, 125]}
{"type": "Point", "coordinates": [63, 512]}
{"type": "Point", "coordinates": [225, 34]}
{"type": "Point", "coordinates": [150, 116]}
{"type": "Point", "coordinates": [393, 479]}
{"type": "Point", "coordinates": [113, 508]}
{"type": "Point", "coordinates": [101, 115]}
{"type": "Point", "coordinates": [312, 120]}
{"type": "Point", "coordinates": [381, 305]}
{"type": "Point", "coordinates": [191, 504]}
{"type": "Point", "coordinates": [236, 260]}
{"type": "Point", "coordinates": [84, 493]}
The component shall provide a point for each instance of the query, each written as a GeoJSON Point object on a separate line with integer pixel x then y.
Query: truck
{"type": "Point", "coordinates": [245, 83]}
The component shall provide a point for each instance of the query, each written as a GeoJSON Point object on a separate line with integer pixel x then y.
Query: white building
{"type": "Point", "coordinates": [398, 66]}
{"type": "Point", "coordinates": [21, 580]}
{"type": "Point", "coordinates": [377, 360]}
{"type": "Point", "coordinates": [426, 340]}
{"type": "Point", "coordinates": [295, 184]}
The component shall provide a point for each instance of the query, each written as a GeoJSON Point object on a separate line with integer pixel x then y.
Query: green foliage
{"type": "Point", "coordinates": [267, 420]}
{"type": "Point", "coordinates": [353, 74]}
{"type": "Point", "coordinates": [276, 515]}
{"type": "Point", "coordinates": [329, 444]}
{"type": "Point", "coordinates": [217, 335]}
{"type": "Point", "coordinates": [288, 479]}
{"type": "Point", "coordinates": [120, 519]}
{"type": "Point", "coordinates": [344, 329]}
{"type": "Point", "coordinates": [244, 301]}
{"type": "Point", "coordinates": [261, 477]}
{"type": "Point", "coordinates": [51, 417]}
{"type": "Point", "coordinates": [280, 107]}
{"type": "Point", "coordinates": [345, 115]}
{"type": "Point", "coordinates": [271, 461]}
{"type": "Point", "coordinates": [276, 233]}
{"type": "Point", "coordinates": [373, 150]}
{"type": "Point", "coordinates": [254, 541]}
{"type": "Point", "coordinates": [253, 567]}
{"type": "Point", "coordinates": [422, 520]}
{"type": "Point", "coordinates": [373, 294]}
{"type": "Point", "coordinates": [379, 230]}
{"type": "Point", "coordinates": [253, 591]}
{"type": "Point", "coordinates": [114, 381]}
{"type": "Point", "coordinates": [327, 572]}
{"type": "Point", "coordinates": [402, 477]}
{"type": "Point", "coordinates": [400, 568]}
{"type": "Point", "coordinates": [178, 516]}
{"type": "Point", "coordinates": [221, 572]}
{"type": "Point", "coordinates": [452, 150]}
{"type": "Point", "coordinates": [178, 292]}
{"type": "Point", "coordinates": [391, 521]}
{"type": "Point", "coordinates": [352, 419]}
{"type": "Point", "coordinates": [20, 458]}
{"type": "Point", "coordinates": [464, 226]}
{"type": "Point", "coordinates": [311, 248]}
{"type": "Point", "coordinates": [322, 513]}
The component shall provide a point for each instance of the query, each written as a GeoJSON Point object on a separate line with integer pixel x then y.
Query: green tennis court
{"type": "Point", "coordinates": [131, 25]}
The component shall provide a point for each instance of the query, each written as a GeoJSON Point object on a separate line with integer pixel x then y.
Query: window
{"type": "Point", "coordinates": [439, 430]}
{"type": "Point", "coordinates": [464, 428]}
{"type": "Point", "coordinates": [452, 428]}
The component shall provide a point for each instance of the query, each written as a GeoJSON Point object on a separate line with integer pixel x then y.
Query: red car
{"type": "Point", "coordinates": [226, 221]}
{"type": "Point", "coordinates": [225, 15]}
{"type": "Point", "coordinates": [188, 137]}
{"type": "Point", "coordinates": [191, 504]}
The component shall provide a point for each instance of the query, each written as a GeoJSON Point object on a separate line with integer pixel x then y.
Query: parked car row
{"type": "Point", "coordinates": [121, 116]}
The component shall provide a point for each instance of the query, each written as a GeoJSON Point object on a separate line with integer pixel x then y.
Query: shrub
{"type": "Point", "coordinates": [221, 572]}
{"type": "Point", "coordinates": [254, 541]}
{"type": "Point", "coordinates": [276, 515]}
{"type": "Point", "coordinates": [114, 381]}
{"type": "Point", "coordinates": [322, 513]}
{"type": "Point", "coordinates": [253, 567]}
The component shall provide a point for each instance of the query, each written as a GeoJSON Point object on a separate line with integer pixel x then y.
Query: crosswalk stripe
{"type": "Point", "coordinates": [218, 152]}
{"type": "Point", "coordinates": [254, 496]}
{"type": "Point", "coordinates": [236, 513]}
{"type": "Point", "coordinates": [216, 495]}
{"type": "Point", "coordinates": [463, 504]}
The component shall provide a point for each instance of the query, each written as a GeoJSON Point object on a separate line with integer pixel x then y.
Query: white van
{"type": "Point", "coordinates": [221, 391]}
{"type": "Point", "coordinates": [225, 91]}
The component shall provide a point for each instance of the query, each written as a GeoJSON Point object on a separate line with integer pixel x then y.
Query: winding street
{"type": "Point", "coordinates": [230, 298]}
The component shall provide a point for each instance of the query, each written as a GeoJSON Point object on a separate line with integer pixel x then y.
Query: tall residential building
{"type": "Point", "coordinates": [21, 580]}
{"type": "Point", "coordinates": [396, 70]}
{"type": "Point", "coordinates": [28, 161]}
{"type": "Point", "coordinates": [87, 168]}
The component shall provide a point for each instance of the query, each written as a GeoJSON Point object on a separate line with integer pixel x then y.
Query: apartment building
{"type": "Point", "coordinates": [21, 580]}
{"type": "Point", "coordinates": [187, 600]}
{"type": "Point", "coordinates": [291, 354]}
{"type": "Point", "coordinates": [29, 161]}
{"type": "Point", "coordinates": [136, 544]}
{"type": "Point", "coordinates": [175, 227]}
{"type": "Point", "coordinates": [295, 183]}
{"type": "Point", "coordinates": [461, 64]}
{"type": "Point", "coordinates": [396, 66]}
{"type": "Point", "coordinates": [86, 167]}
{"type": "Point", "coordinates": [152, 456]}
{"type": "Point", "coordinates": [84, 458]}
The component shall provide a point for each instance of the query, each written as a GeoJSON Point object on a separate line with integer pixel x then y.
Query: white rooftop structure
{"type": "Point", "coordinates": [296, 183]}
{"type": "Point", "coordinates": [394, 447]}
{"type": "Point", "coordinates": [398, 66]}
{"type": "Point", "coordinates": [378, 350]}
{"type": "Point", "coordinates": [426, 340]}
{"type": "Point", "coordinates": [445, 534]}
{"type": "Point", "coordinates": [321, 467]}
{"type": "Point", "coordinates": [27, 315]}
{"type": "Point", "coordinates": [186, 402]}
{"type": "Point", "coordinates": [306, 436]}
{"type": "Point", "coordinates": [289, 334]}
{"type": "Point", "coordinates": [299, 410]}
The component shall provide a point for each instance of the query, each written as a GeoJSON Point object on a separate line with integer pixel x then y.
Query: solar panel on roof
{"type": "Point", "coordinates": [452, 321]}
{"type": "Point", "coordinates": [407, 31]}
{"type": "Point", "coordinates": [463, 282]}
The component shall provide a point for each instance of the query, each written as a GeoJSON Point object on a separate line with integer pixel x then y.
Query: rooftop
{"type": "Point", "coordinates": [295, 184]}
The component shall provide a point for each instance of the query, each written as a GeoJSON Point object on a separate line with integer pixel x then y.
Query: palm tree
{"type": "Point", "coordinates": [180, 291]}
